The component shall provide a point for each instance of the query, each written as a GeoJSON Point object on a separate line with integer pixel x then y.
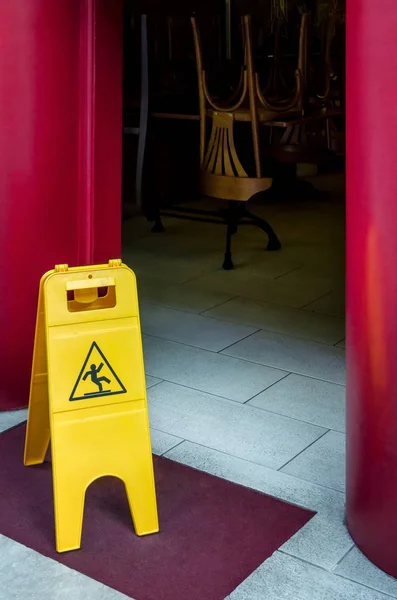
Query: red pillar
{"type": "Point", "coordinates": [60, 165]}
{"type": "Point", "coordinates": [372, 279]}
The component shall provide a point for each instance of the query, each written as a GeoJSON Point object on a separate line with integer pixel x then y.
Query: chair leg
{"type": "Point", "coordinates": [274, 242]}
{"type": "Point", "coordinates": [158, 226]}
{"type": "Point", "coordinates": [228, 263]}
{"type": "Point", "coordinates": [231, 229]}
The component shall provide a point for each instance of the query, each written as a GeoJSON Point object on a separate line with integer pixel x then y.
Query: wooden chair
{"type": "Point", "coordinates": [327, 77]}
{"type": "Point", "coordinates": [302, 132]}
{"type": "Point", "coordinates": [222, 174]}
{"type": "Point", "coordinates": [276, 96]}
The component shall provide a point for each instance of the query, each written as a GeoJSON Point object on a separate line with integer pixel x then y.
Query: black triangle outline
{"type": "Point", "coordinates": [83, 368]}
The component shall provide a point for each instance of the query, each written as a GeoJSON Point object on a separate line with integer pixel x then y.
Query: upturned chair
{"type": "Point", "coordinates": [223, 175]}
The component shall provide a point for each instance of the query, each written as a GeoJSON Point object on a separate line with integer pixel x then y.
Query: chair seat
{"type": "Point", "coordinates": [240, 189]}
{"type": "Point", "coordinates": [285, 118]}
{"type": "Point", "coordinates": [243, 114]}
{"type": "Point", "coordinates": [297, 153]}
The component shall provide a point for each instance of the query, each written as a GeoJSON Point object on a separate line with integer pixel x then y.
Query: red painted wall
{"type": "Point", "coordinates": [60, 149]}
{"type": "Point", "coordinates": [372, 279]}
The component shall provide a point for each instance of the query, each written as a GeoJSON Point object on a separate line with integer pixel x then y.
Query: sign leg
{"type": "Point", "coordinates": [38, 427]}
{"type": "Point", "coordinates": [139, 479]}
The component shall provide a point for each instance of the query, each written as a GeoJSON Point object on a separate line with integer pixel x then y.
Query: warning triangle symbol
{"type": "Point", "coordinates": [97, 377]}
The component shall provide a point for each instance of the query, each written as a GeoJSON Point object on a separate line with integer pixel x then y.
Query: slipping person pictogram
{"type": "Point", "coordinates": [97, 378]}
{"type": "Point", "coordinates": [93, 373]}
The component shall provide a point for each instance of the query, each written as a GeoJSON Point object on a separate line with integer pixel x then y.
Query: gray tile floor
{"type": "Point", "coordinates": [245, 376]}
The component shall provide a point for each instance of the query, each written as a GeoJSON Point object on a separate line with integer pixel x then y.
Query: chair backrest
{"type": "Point", "coordinates": [323, 72]}
{"type": "Point", "coordinates": [292, 99]}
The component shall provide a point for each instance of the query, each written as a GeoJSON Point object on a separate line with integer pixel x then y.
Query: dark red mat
{"type": "Point", "coordinates": [213, 533]}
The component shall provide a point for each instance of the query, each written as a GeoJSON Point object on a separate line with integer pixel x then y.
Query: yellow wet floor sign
{"type": "Point", "coordinates": [88, 394]}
